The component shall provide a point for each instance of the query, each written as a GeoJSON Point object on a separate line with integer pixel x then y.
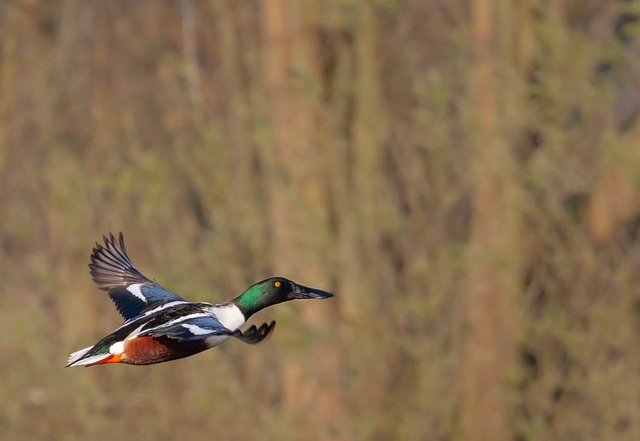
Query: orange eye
{"type": "Point", "coordinates": [277, 284]}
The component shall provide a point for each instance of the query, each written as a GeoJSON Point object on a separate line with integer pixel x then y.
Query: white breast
{"type": "Point", "coordinates": [230, 316]}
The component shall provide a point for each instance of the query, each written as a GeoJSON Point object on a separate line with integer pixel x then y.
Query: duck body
{"type": "Point", "coordinates": [167, 332]}
{"type": "Point", "coordinates": [161, 326]}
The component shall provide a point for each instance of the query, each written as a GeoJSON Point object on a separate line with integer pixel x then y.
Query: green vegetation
{"type": "Point", "coordinates": [464, 175]}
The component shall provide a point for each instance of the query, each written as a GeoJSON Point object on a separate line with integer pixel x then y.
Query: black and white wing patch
{"type": "Point", "coordinates": [203, 328]}
{"type": "Point", "coordinates": [113, 271]}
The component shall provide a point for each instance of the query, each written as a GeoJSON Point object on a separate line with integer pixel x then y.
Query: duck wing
{"type": "Point", "coordinates": [205, 327]}
{"type": "Point", "coordinates": [255, 335]}
{"type": "Point", "coordinates": [130, 290]}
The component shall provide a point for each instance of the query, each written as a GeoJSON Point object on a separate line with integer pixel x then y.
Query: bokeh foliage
{"type": "Point", "coordinates": [464, 175]}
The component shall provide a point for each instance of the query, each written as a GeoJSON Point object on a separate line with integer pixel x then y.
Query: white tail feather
{"type": "Point", "coordinates": [76, 359]}
{"type": "Point", "coordinates": [78, 355]}
{"type": "Point", "coordinates": [89, 360]}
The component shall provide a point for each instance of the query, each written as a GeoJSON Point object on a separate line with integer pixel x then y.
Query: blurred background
{"type": "Point", "coordinates": [464, 175]}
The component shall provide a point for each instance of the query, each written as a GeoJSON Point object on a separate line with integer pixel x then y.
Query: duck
{"type": "Point", "coordinates": [161, 326]}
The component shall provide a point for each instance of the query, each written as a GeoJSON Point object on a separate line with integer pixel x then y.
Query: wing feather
{"type": "Point", "coordinates": [202, 328]}
{"type": "Point", "coordinates": [129, 289]}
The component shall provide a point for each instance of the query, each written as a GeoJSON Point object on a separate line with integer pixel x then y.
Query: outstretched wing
{"type": "Point", "coordinates": [254, 335]}
{"type": "Point", "coordinates": [113, 271]}
{"type": "Point", "coordinates": [207, 328]}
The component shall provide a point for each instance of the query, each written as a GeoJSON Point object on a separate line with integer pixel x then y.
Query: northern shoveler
{"type": "Point", "coordinates": [162, 326]}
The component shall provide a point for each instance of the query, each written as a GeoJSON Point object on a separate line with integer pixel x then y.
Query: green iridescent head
{"type": "Point", "coordinates": [272, 291]}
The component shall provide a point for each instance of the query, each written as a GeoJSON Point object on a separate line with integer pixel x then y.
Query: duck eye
{"type": "Point", "coordinates": [277, 284]}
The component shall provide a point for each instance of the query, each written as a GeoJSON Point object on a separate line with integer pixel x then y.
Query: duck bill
{"type": "Point", "coordinates": [304, 292]}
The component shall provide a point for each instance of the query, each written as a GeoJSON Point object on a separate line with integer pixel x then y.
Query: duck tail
{"type": "Point", "coordinates": [77, 355]}
{"type": "Point", "coordinates": [82, 358]}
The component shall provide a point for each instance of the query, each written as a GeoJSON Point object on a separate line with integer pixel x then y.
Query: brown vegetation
{"type": "Point", "coordinates": [464, 175]}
